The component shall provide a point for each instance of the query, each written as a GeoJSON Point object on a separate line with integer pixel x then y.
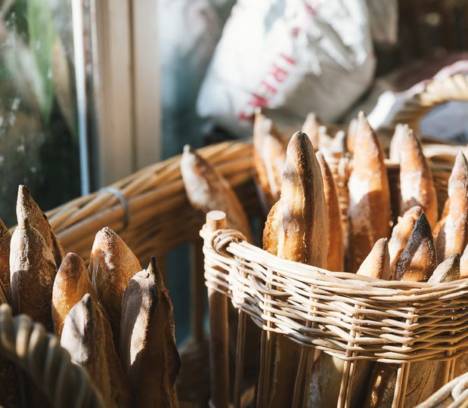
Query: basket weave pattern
{"type": "Point", "coordinates": [348, 316]}
{"type": "Point", "coordinates": [453, 395]}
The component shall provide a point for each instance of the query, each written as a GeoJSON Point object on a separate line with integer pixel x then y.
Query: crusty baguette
{"type": "Point", "coordinates": [401, 234]}
{"type": "Point", "coordinates": [71, 283]}
{"type": "Point", "coordinates": [147, 341]}
{"type": "Point", "coordinates": [270, 231]}
{"type": "Point", "coordinates": [418, 260]}
{"type": "Point", "coordinates": [447, 271]}
{"type": "Point", "coordinates": [324, 385]}
{"type": "Point", "coordinates": [32, 273]}
{"type": "Point", "coordinates": [395, 144]}
{"type": "Point", "coordinates": [452, 234]}
{"type": "Point", "coordinates": [207, 190]}
{"type": "Point", "coordinates": [5, 238]}
{"type": "Point", "coordinates": [416, 182]}
{"type": "Point", "coordinates": [112, 265]}
{"type": "Point", "coordinates": [26, 207]}
{"type": "Point", "coordinates": [302, 229]}
{"type": "Point", "coordinates": [464, 263]}
{"type": "Point", "coordinates": [311, 128]}
{"type": "Point", "coordinates": [87, 336]}
{"type": "Point", "coordinates": [416, 264]}
{"type": "Point", "coordinates": [369, 205]}
{"type": "Point", "coordinates": [335, 255]}
{"type": "Point", "coordinates": [269, 155]}
{"type": "Point", "coordinates": [351, 135]}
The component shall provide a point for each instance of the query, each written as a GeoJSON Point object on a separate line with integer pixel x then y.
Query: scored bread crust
{"type": "Point", "coordinates": [208, 190]}
{"type": "Point", "coordinates": [452, 234]}
{"type": "Point", "coordinates": [5, 238]}
{"type": "Point", "coordinates": [418, 260]}
{"type": "Point", "coordinates": [71, 283]}
{"type": "Point", "coordinates": [87, 335]}
{"type": "Point", "coordinates": [369, 205]}
{"type": "Point", "coordinates": [112, 264]}
{"type": "Point", "coordinates": [147, 344]}
{"type": "Point", "coordinates": [269, 155]}
{"type": "Point", "coordinates": [26, 207]}
{"type": "Point", "coordinates": [401, 234]}
{"type": "Point", "coordinates": [416, 182]}
{"type": "Point", "coordinates": [303, 226]}
{"type": "Point", "coordinates": [335, 252]}
{"type": "Point", "coordinates": [32, 273]}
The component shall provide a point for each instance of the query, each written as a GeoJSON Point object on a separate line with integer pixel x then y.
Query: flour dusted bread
{"type": "Point", "coordinates": [447, 271]}
{"type": "Point", "coordinates": [5, 238]}
{"type": "Point", "coordinates": [303, 227]}
{"type": "Point", "coordinates": [369, 204]}
{"type": "Point", "coordinates": [269, 155]}
{"type": "Point", "coordinates": [71, 283]}
{"type": "Point", "coordinates": [112, 265]}
{"type": "Point", "coordinates": [418, 260]}
{"type": "Point", "coordinates": [335, 254]}
{"type": "Point", "coordinates": [87, 336]}
{"type": "Point", "coordinates": [325, 381]}
{"type": "Point", "coordinates": [147, 341]}
{"type": "Point", "coordinates": [26, 207]}
{"type": "Point", "coordinates": [416, 182]}
{"type": "Point", "coordinates": [401, 233]}
{"type": "Point", "coordinates": [207, 190]}
{"type": "Point", "coordinates": [452, 235]}
{"type": "Point", "coordinates": [32, 273]}
{"type": "Point", "coordinates": [401, 131]}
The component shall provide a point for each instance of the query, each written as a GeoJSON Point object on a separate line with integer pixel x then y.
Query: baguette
{"type": "Point", "coordinates": [32, 273]}
{"type": "Point", "coordinates": [452, 235]}
{"type": "Point", "coordinates": [369, 205]}
{"type": "Point", "coordinates": [335, 254]}
{"type": "Point", "coordinates": [418, 260]}
{"type": "Point", "coordinates": [401, 131]}
{"type": "Point", "coordinates": [464, 263]}
{"type": "Point", "coordinates": [112, 266]}
{"type": "Point", "coordinates": [207, 190]}
{"type": "Point", "coordinates": [416, 182]}
{"type": "Point", "coordinates": [302, 229]}
{"type": "Point", "coordinates": [351, 135]}
{"type": "Point", "coordinates": [416, 264]}
{"type": "Point", "coordinates": [147, 345]}
{"type": "Point", "coordinates": [269, 154]}
{"type": "Point", "coordinates": [324, 386]}
{"type": "Point", "coordinates": [71, 283]}
{"type": "Point", "coordinates": [311, 128]}
{"type": "Point", "coordinates": [401, 234]}
{"type": "Point", "coordinates": [447, 271]}
{"type": "Point", "coordinates": [5, 238]}
{"type": "Point", "coordinates": [270, 231]}
{"type": "Point", "coordinates": [26, 207]}
{"type": "Point", "coordinates": [87, 336]}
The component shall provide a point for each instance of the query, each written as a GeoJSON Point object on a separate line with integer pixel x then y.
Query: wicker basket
{"type": "Point", "coordinates": [40, 356]}
{"type": "Point", "coordinates": [451, 395]}
{"type": "Point", "coordinates": [149, 209]}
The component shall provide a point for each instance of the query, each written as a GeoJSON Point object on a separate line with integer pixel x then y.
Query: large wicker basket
{"type": "Point", "coordinates": [452, 395]}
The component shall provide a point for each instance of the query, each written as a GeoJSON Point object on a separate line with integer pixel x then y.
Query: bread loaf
{"type": "Point", "coordinates": [401, 234]}
{"type": "Point", "coordinates": [311, 128]}
{"type": "Point", "coordinates": [418, 260]}
{"type": "Point", "coordinates": [5, 238]}
{"type": "Point", "coordinates": [452, 235]}
{"type": "Point", "coordinates": [270, 231]}
{"type": "Point", "coordinates": [446, 271]}
{"type": "Point", "coordinates": [32, 273]}
{"type": "Point", "coordinates": [324, 387]}
{"type": "Point", "coordinates": [303, 226]}
{"type": "Point", "coordinates": [207, 190]}
{"type": "Point", "coordinates": [401, 131]}
{"type": "Point", "coordinates": [269, 155]}
{"type": "Point", "coordinates": [112, 265]}
{"type": "Point", "coordinates": [26, 207]}
{"type": "Point", "coordinates": [335, 251]}
{"type": "Point", "coordinates": [71, 283]}
{"type": "Point", "coordinates": [369, 205]}
{"type": "Point", "coordinates": [147, 341]}
{"type": "Point", "coordinates": [416, 183]}
{"type": "Point", "coordinates": [87, 336]}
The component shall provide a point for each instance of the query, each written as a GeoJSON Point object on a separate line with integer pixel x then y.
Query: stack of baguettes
{"type": "Point", "coordinates": [115, 318]}
{"type": "Point", "coordinates": [304, 225]}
